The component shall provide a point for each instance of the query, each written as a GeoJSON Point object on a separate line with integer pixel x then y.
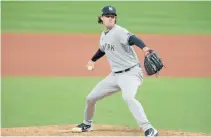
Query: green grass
{"type": "Point", "coordinates": [81, 17]}
{"type": "Point", "coordinates": [170, 103]}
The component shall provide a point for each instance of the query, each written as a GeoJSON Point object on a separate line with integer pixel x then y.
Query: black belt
{"type": "Point", "coordinates": [126, 69]}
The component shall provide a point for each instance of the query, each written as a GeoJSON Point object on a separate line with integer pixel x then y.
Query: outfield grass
{"type": "Point", "coordinates": [170, 103]}
{"type": "Point", "coordinates": [81, 17]}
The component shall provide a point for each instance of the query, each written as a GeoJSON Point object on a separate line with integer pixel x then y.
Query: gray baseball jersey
{"type": "Point", "coordinates": [119, 53]}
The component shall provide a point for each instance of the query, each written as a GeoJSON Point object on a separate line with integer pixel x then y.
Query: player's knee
{"type": "Point", "coordinates": [90, 99]}
{"type": "Point", "coordinates": [128, 99]}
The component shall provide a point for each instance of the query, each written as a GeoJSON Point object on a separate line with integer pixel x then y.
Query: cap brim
{"type": "Point", "coordinates": [109, 14]}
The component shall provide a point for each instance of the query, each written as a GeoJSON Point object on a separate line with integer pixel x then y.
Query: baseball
{"type": "Point", "coordinates": [89, 68]}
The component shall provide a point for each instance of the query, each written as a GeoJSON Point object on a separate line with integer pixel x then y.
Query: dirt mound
{"type": "Point", "coordinates": [99, 130]}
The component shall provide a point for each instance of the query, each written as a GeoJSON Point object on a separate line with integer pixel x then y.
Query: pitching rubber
{"type": "Point", "coordinates": [76, 130]}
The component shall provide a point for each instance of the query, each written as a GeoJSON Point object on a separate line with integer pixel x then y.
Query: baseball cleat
{"type": "Point", "coordinates": [151, 132]}
{"type": "Point", "coordinates": [82, 128]}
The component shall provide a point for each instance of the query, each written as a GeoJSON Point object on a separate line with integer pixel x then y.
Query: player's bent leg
{"type": "Point", "coordinates": [104, 88]}
{"type": "Point", "coordinates": [96, 95]}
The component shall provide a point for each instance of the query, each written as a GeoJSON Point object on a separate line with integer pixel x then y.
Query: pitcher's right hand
{"type": "Point", "coordinates": [90, 65]}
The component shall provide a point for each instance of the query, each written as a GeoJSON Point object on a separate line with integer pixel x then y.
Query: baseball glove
{"type": "Point", "coordinates": [152, 63]}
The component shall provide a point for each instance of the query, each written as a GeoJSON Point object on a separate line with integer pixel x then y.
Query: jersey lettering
{"type": "Point", "coordinates": [108, 47]}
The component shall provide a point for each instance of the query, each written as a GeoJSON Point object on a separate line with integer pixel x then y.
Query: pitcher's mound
{"type": "Point", "coordinates": [99, 130]}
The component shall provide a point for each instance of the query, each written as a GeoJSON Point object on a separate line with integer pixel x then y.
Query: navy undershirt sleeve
{"type": "Point", "coordinates": [133, 40]}
{"type": "Point", "coordinates": [98, 55]}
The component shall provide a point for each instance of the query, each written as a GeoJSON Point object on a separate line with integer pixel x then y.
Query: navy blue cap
{"type": "Point", "coordinates": [108, 10]}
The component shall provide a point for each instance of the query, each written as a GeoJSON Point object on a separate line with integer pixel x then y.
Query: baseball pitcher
{"type": "Point", "coordinates": [126, 75]}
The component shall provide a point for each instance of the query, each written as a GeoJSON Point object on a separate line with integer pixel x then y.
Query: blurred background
{"type": "Point", "coordinates": [46, 45]}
